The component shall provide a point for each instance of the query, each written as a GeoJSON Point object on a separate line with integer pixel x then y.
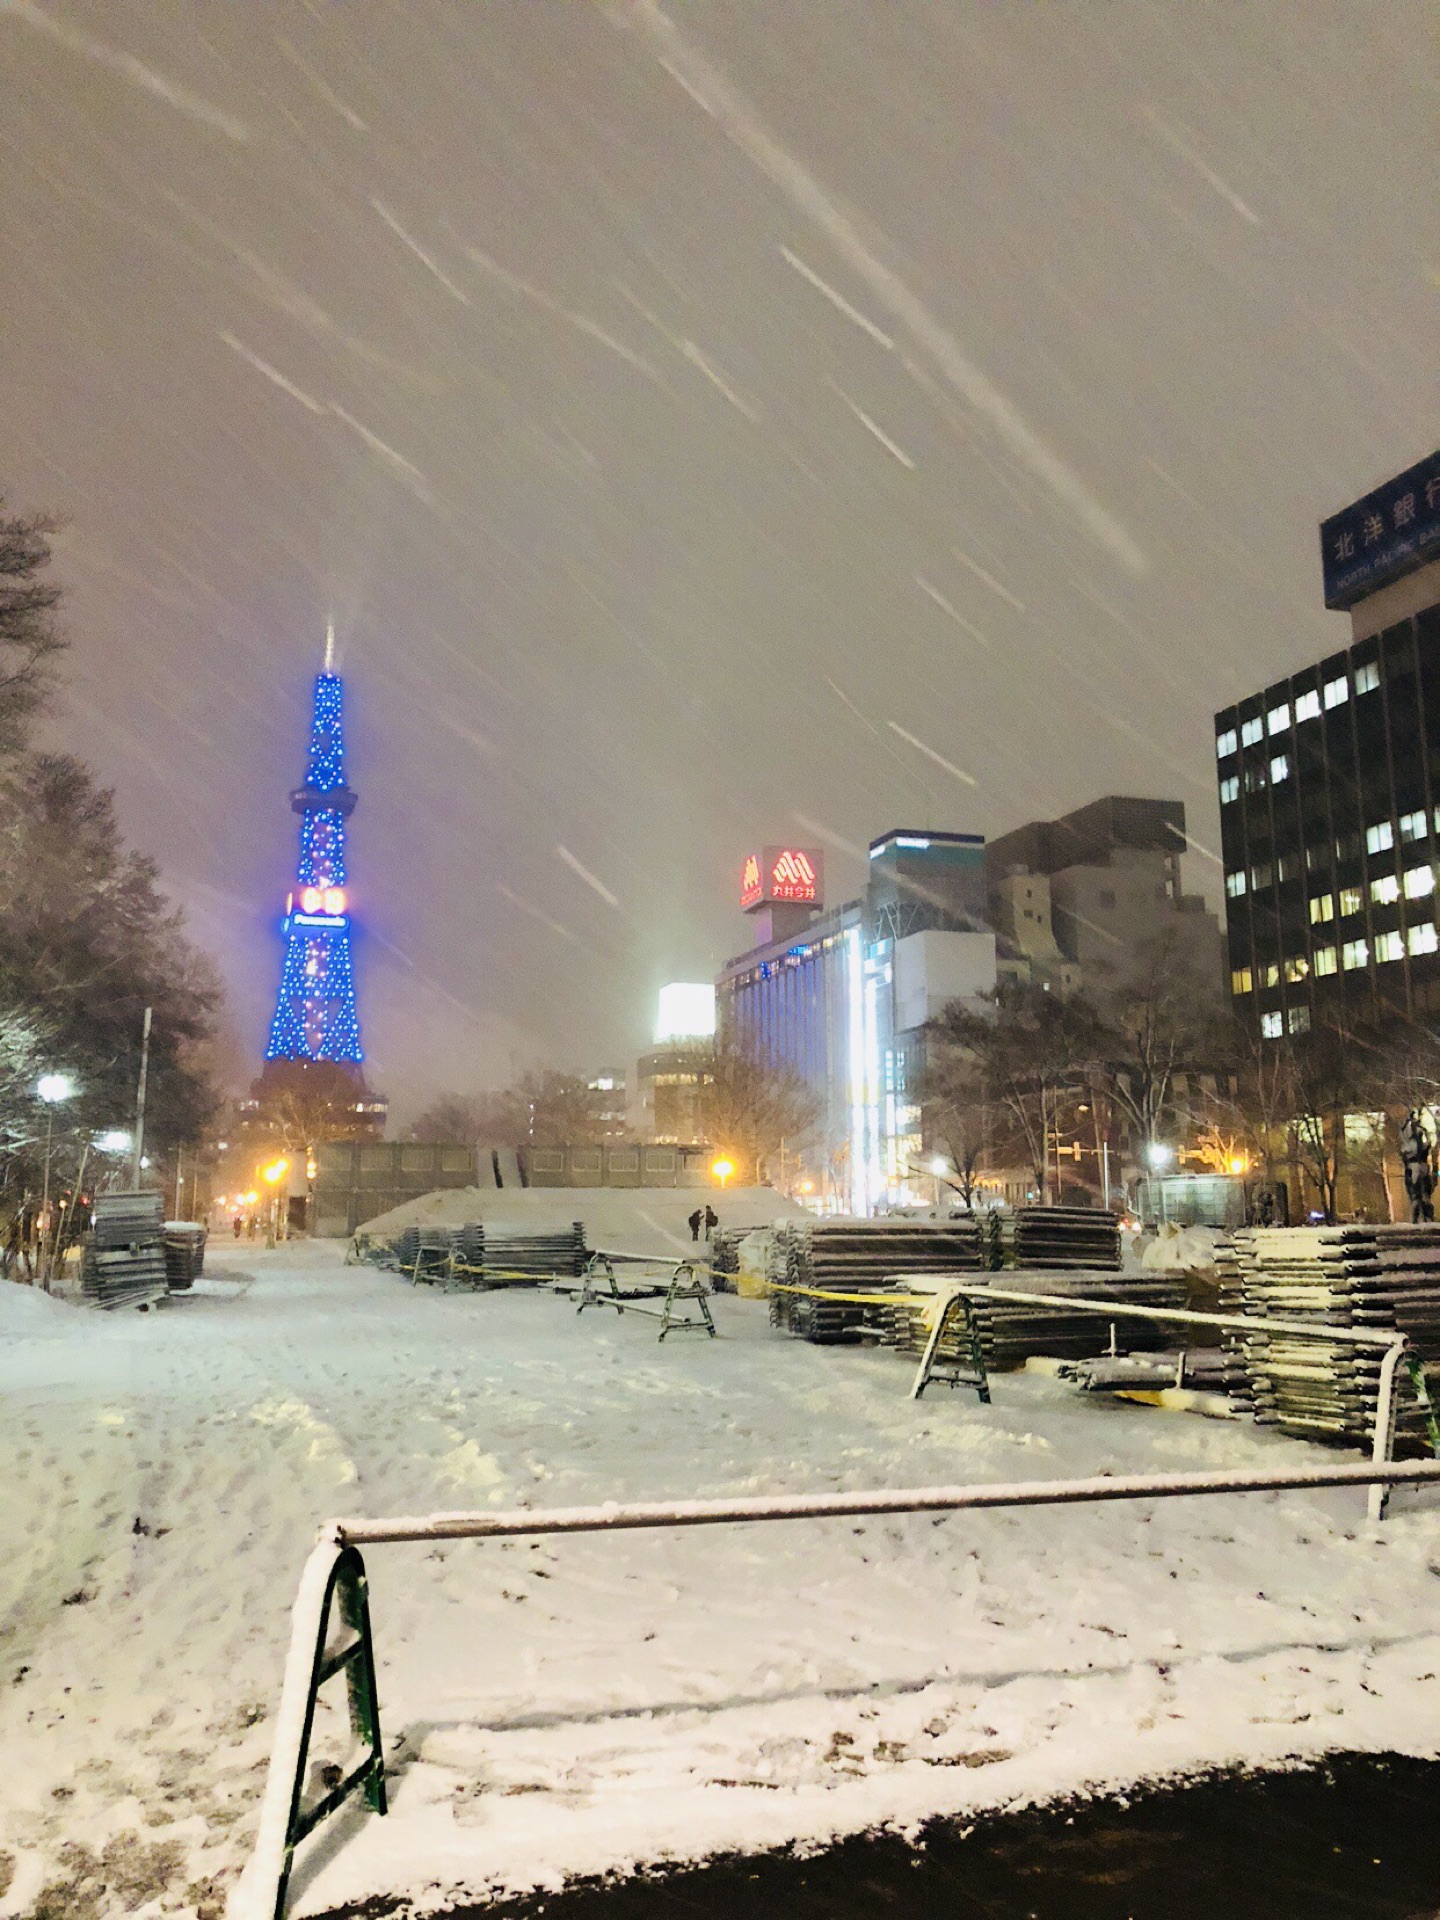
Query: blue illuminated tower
{"type": "Point", "coordinates": [315, 1014]}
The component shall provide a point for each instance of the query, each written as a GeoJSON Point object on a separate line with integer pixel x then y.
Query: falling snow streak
{"type": "Point", "coordinates": [128, 68]}
{"type": "Point", "coordinates": [595, 885]}
{"type": "Point", "coordinates": [930, 754]}
{"type": "Point", "coordinates": [748, 132]}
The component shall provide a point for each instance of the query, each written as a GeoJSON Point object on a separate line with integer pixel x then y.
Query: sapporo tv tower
{"type": "Point", "coordinates": [314, 1054]}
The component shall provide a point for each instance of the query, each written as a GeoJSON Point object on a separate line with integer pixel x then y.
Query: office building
{"type": "Point", "coordinates": [1085, 902]}
{"type": "Point", "coordinates": [840, 997]}
{"type": "Point", "coordinates": [1330, 790]}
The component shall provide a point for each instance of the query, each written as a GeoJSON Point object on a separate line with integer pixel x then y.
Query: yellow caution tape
{"type": "Point", "coordinates": [863, 1299]}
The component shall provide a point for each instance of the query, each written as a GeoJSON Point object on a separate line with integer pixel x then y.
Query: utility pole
{"type": "Point", "coordinates": [179, 1183]}
{"type": "Point", "coordinates": [139, 1154]}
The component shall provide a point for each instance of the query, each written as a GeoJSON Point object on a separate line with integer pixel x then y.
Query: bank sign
{"type": "Point", "coordinates": [1389, 533]}
{"type": "Point", "coordinates": [783, 874]}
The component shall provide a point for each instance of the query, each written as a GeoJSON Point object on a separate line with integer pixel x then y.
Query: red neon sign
{"type": "Point", "coordinates": [782, 875]}
{"type": "Point", "coordinates": [793, 877]}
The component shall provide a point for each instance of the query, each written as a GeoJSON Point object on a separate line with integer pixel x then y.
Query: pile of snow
{"type": "Point", "coordinates": [1182, 1250]}
{"type": "Point", "coordinates": [571, 1706]}
{"type": "Point", "coordinates": [650, 1220]}
{"type": "Point", "coordinates": [27, 1311]}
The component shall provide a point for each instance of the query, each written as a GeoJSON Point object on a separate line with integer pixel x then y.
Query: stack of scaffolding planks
{"type": "Point", "coordinates": [860, 1256]}
{"type": "Point", "coordinates": [123, 1262]}
{"type": "Point", "coordinates": [1012, 1332]}
{"type": "Point", "coordinates": [1380, 1279]}
{"type": "Point", "coordinates": [1060, 1239]}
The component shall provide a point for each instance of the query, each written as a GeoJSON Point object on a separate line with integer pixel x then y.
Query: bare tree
{"type": "Point", "coordinates": [1161, 1023]}
{"type": "Point", "coordinates": [750, 1109]}
{"type": "Point", "coordinates": [30, 636]}
{"type": "Point", "coordinates": [1026, 1050]}
{"type": "Point", "coordinates": [453, 1119]}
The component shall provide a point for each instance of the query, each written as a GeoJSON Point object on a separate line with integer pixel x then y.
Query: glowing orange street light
{"type": "Point", "coordinates": [276, 1170]}
{"type": "Point", "coordinates": [1239, 1164]}
{"type": "Point", "coordinates": [722, 1169]}
{"type": "Point", "coordinates": [251, 1198]}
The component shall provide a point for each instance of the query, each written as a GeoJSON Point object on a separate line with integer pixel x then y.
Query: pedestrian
{"type": "Point", "coordinates": [694, 1222]}
{"type": "Point", "coordinates": [239, 1224]}
{"type": "Point", "coordinates": [712, 1220]}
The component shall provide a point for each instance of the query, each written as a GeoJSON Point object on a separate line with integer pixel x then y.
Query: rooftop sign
{"type": "Point", "coordinates": [1391, 532]}
{"type": "Point", "coordinates": [783, 875]}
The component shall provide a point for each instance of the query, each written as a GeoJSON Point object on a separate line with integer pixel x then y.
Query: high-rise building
{"type": "Point", "coordinates": [666, 1100]}
{"type": "Point", "coordinates": [1081, 902]}
{"type": "Point", "coordinates": [313, 1057]}
{"type": "Point", "coordinates": [840, 997]}
{"type": "Point", "coordinates": [1330, 790]}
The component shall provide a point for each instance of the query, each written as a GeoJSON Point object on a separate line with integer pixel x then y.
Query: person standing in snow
{"type": "Point", "coordinates": [694, 1222]}
{"type": "Point", "coordinates": [712, 1220]}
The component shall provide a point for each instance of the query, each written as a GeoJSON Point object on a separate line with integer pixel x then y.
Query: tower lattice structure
{"type": "Point", "coordinates": [316, 1018]}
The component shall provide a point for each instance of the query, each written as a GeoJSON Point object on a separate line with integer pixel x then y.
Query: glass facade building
{"type": "Point", "coordinates": [1330, 821]}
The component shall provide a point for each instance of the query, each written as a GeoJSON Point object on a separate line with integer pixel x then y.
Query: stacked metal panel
{"type": "Point", "coordinates": [184, 1254]}
{"type": "Point", "coordinates": [1382, 1279]}
{"type": "Point", "coordinates": [1011, 1331]}
{"type": "Point", "coordinates": [860, 1256]}
{"type": "Point", "coordinates": [1085, 1239]}
{"type": "Point", "coordinates": [481, 1257]}
{"type": "Point", "coordinates": [725, 1257]}
{"type": "Point", "coordinates": [123, 1262]}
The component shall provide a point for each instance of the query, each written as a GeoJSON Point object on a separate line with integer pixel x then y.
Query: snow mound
{"type": "Point", "coordinates": [28, 1310]}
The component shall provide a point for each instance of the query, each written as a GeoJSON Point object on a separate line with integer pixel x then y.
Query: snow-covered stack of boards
{"type": "Point", "coordinates": [1086, 1239]}
{"type": "Point", "coordinates": [860, 1256]}
{"type": "Point", "coordinates": [1383, 1279]}
{"type": "Point", "coordinates": [1011, 1332]}
{"type": "Point", "coordinates": [474, 1256]}
{"type": "Point", "coordinates": [123, 1261]}
{"type": "Point", "coordinates": [184, 1254]}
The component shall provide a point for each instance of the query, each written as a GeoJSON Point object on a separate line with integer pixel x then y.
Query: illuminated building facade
{"type": "Point", "coordinates": [841, 996]}
{"type": "Point", "coordinates": [1330, 791]}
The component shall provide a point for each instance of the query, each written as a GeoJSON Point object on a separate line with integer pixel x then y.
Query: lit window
{"type": "Point", "coordinates": [1251, 731]}
{"type": "Point", "coordinates": [1297, 970]}
{"type": "Point", "coordinates": [1286, 867]}
{"type": "Point", "coordinates": [1389, 946]}
{"type": "Point", "coordinates": [1229, 789]}
{"type": "Point", "coordinates": [1260, 876]}
{"type": "Point", "coordinates": [1355, 953]}
{"type": "Point", "coordinates": [1322, 908]}
{"type": "Point", "coordinates": [1235, 885]}
{"type": "Point", "coordinates": [1272, 1025]}
{"type": "Point", "coordinates": [1326, 960]}
{"type": "Point", "coordinates": [1278, 718]}
{"type": "Point", "coordinates": [1225, 743]}
{"type": "Point", "coordinates": [1385, 891]}
{"type": "Point", "coordinates": [1241, 980]}
{"type": "Point", "coordinates": [1380, 838]}
{"type": "Point", "coordinates": [1337, 692]}
{"type": "Point", "coordinates": [1418, 882]}
{"type": "Point", "coordinates": [1351, 901]}
{"type": "Point", "coordinates": [1307, 707]}
{"type": "Point", "coordinates": [1423, 939]}
{"type": "Point", "coordinates": [1299, 1020]}
{"type": "Point", "coordinates": [1255, 779]}
{"type": "Point", "coordinates": [1279, 769]}
{"type": "Point", "coordinates": [1367, 678]}
{"type": "Point", "coordinates": [1272, 974]}
{"type": "Point", "coordinates": [1412, 826]}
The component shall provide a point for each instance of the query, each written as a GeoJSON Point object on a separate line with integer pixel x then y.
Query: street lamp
{"type": "Point", "coordinates": [1159, 1155]}
{"type": "Point", "coordinates": [54, 1089]}
{"type": "Point", "coordinates": [722, 1169]}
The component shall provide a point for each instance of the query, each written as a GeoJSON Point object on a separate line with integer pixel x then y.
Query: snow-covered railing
{"type": "Point", "coordinates": [1394, 1347]}
{"type": "Point", "coordinates": [335, 1564]}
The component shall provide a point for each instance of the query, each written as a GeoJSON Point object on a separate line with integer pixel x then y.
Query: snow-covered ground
{"type": "Point", "coordinates": [577, 1706]}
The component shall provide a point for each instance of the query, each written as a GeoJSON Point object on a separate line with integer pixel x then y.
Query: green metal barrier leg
{"type": "Point", "coordinates": [356, 1660]}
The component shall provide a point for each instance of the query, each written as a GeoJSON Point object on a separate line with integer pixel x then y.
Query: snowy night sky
{"type": "Point", "coordinates": [684, 410]}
